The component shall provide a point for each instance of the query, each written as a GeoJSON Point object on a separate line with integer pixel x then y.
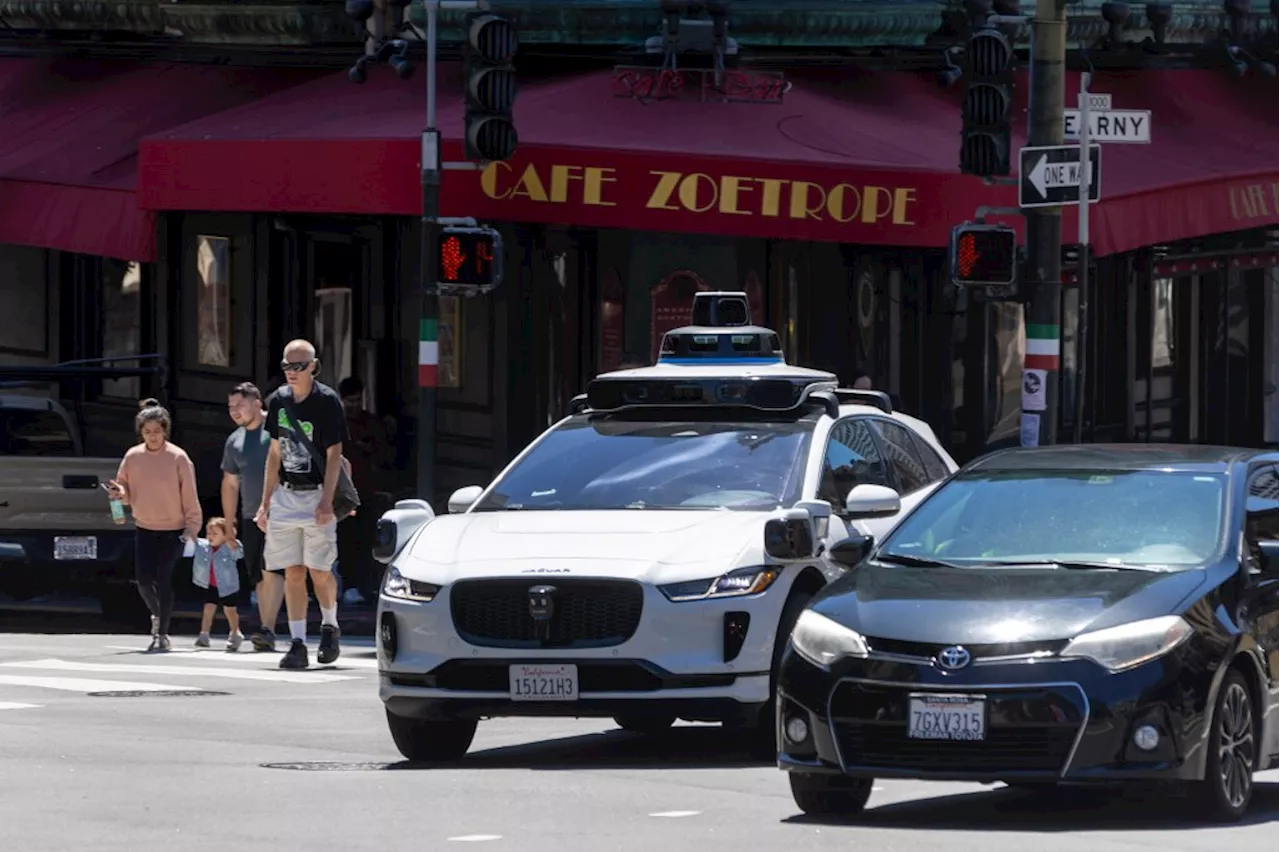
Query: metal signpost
{"type": "Point", "coordinates": [1082, 263]}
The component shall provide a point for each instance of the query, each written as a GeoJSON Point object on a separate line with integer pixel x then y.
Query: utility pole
{"type": "Point", "coordinates": [1044, 224]}
{"type": "Point", "coordinates": [428, 322]}
{"type": "Point", "coordinates": [1082, 264]}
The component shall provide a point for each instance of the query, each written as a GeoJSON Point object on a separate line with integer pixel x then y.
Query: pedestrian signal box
{"type": "Point", "coordinates": [984, 255]}
{"type": "Point", "coordinates": [469, 259]}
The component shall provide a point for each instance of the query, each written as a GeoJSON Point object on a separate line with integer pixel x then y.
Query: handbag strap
{"type": "Point", "coordinates": [287, 403]}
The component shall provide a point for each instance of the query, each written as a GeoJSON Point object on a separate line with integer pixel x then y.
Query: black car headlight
{"type": "Point", "coordinates": [396, 585]}
{"type": "Point", "coordinates": [735, 584]}
{"type": "Point", "coordinates": [822, 641]}
{"type": "Point", "coordinates": [1127, 646]}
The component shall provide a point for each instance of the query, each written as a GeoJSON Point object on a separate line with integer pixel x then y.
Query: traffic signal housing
{"type": "Point", "coordinates": [984, 255]}
{"type": "Point", "coordinates": [986, 137]}
{"type": "Point", "coordinates": [489, 125]}
{"type": "Point", "coordinates": [468, 260]}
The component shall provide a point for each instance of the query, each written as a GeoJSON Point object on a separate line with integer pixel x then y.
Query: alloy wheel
{"type": "Point", "coordinates": [1237, 751]}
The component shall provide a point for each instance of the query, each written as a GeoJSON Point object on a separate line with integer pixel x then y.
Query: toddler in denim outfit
{"type": "Point", "coordinates": [214, 569]}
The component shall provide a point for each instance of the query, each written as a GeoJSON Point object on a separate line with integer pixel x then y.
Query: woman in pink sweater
{"type": "Point", "coordinates": [158, 480]}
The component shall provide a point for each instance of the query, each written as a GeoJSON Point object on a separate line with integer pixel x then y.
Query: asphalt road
{"type": "Point", "coordinates": [260, 758]}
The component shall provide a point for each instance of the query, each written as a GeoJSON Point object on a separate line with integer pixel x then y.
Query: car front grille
{"type": "Point", "coordinates": [928, 650]}
{"type": "Point", "coordinates": [586, 613]}
{"type": "Point", "coordinates": [1028, 729]}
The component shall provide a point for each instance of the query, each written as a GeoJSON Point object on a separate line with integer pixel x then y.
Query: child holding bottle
{"type": "Point", "coordinates": [214, 569]}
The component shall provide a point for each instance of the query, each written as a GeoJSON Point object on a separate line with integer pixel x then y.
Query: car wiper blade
{"type": "Point", "coordinates": [1072, 564]}
{"type": "Point", "coordinates": [915, 561]}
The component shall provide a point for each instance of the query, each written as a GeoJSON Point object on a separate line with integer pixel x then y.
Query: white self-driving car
{"type": "Point", "coordinates": [646, 558]}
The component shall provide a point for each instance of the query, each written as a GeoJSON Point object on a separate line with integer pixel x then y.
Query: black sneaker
{"type": "Point", "coordinates": [329, 649]}
{"type": "Point", "coordinates": [296, 658]}
{"type": "Point", "coordinates": [263, 640]}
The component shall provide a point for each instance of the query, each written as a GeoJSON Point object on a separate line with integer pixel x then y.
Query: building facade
{"type": "Point", "coordinates": [210, 196]}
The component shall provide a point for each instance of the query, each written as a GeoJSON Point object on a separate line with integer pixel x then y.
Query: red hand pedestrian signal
{"type": "Point", "coordinates": [984, 255]}
{"type": "Point", "coordinates": [469, 257]}
{"type": "Point", "coordinates": [451, 259]}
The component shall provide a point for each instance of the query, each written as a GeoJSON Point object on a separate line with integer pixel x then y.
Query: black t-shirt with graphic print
{"type": "Point", "coordinates": [321, 418]}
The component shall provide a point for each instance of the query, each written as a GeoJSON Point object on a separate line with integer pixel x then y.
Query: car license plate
{"type": "Point", "coordinates": [544, 683]}
{"type": "Point", "coordinates": [947, 717]}
{"type": "Point", "coordinates": [75, 547]}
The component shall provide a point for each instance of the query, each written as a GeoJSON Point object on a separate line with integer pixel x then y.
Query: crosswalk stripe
{"type": "Point", "coordinates": [163, 670]}
{"type": "Point", "coordinates": [250, 657]}
{"type": "Point", "coordinates": [85, 684]}
{"type": "Point", "coordinates": [15, 705]}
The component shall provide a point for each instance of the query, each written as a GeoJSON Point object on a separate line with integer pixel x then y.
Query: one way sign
{"type": "Point", "coordinates": [1050, 176]}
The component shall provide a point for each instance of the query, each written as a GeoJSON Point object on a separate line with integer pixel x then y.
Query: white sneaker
{"type": "Point", "coordinates": [202, 641]}
{"type": "Point", "coordinates": [352, 596]}
{"type": "Point", "coordinates": [233, 642]}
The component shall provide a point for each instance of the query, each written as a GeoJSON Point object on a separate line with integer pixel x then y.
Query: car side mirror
{"type": "Point", "coordinates": [464, 498]}
{"type": "Point", "coordinates": [872, 501]}
{"type": "Point", "coordinates": [853, 549]}
{"type": "Point", "coordinates": [789, 539]}
{"type": "Point", "coordinates": [397, 526]}
{"type": "Point", "coordinates": [1270, 566]}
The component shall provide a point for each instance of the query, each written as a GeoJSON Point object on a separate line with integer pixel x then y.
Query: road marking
{"type": "Point", "coordinates": [180, 671]}
{"type": "Point", "coordinates": [474, 838]}
{"type": "Point", "coordinates": [14, 705]}
{"type": "Point", "coordinates": [675, 814]}
{"type": "Point", "coordinates": [85, 684]}
{"type": "Point", "coordinates": [216, 654]}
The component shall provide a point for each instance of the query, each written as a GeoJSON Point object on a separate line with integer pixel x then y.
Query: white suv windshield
{"type": "Point", "coordinates": [634, 464]}
{"type": "Point", "coordinates": [1168, 518]}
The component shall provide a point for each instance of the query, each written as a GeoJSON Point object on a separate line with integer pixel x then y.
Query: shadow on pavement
{"type": "Point", "coordinates": [1060, 809]}
{"type": "Point", "coordinates": [684, 747]}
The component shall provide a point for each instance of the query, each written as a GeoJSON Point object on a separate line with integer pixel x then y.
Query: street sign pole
{"type": "Point", "coordinates": [1082, 263]}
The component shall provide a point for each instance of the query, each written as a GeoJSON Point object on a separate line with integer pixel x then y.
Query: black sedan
{"type": "Point", "coordinates": [1056, 615]}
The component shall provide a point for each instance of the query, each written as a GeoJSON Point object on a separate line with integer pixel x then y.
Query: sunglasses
{"type": "Point", "coordinates": [295, 366]}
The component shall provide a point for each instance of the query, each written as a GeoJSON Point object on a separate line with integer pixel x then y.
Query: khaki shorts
{"type": "Point", "coordinates": [294, 537]}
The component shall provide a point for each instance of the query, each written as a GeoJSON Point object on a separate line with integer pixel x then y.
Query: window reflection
{"type": "Point", "coordinates": [213, 308]}
{"type": "Point", "coordinates": [1162, 323]}
{"type": "Point", "coordinates": [122, 322]}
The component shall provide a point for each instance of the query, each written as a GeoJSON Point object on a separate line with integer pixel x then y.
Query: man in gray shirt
{"type": "Point", "coordinates": [244, 463]}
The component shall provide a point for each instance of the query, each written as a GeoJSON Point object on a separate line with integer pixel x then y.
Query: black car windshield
{"type": "Point", "coordinates": [1168, 519]}
{"type": "Point", "coordinates": [633, 464]}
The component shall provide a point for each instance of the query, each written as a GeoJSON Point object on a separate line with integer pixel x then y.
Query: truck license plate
{"type": "Point", "coordinates": [947, 717]}
{"type": "Point", "coordinates": [544, 683]}
{"type": "Point", "coordinates": [82, 547]}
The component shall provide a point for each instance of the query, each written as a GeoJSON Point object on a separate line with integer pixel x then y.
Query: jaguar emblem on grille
{"type": "Point", "coordinates": [542, 606]}
{"type": "Point", "coordinates": [953, 658]}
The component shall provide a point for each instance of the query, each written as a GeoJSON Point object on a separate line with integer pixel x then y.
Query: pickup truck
{"type": "Point", "coordinates": [56, 530]}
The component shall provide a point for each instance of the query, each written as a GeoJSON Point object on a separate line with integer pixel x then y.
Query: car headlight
{"type": "Point", "coordinates": [1128, 645]}
{"type": "Point", "coordinates": [396, 585]}
{"type": "Point", "coordinates": [822, 641]}
{"type": "Point", "coordinates": [744, 581]}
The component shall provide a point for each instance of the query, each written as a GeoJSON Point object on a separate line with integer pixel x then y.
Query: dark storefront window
{"type": "Point", "coordinates": [24, 300]}
{"type": "Point", "coordinates": [121, 322]}
{"type": "Point", "coordinates": [1270, 283]}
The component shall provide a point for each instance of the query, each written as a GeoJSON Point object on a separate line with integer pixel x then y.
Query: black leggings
{"type": "Point", "coordinates": [155, 556]}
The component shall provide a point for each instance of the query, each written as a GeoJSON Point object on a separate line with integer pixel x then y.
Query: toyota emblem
{"type": "Point", "coordinates": [954, 658]}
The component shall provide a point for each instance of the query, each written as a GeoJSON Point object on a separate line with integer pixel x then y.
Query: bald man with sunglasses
{"type": "Point", "coordinates": [307, 427]}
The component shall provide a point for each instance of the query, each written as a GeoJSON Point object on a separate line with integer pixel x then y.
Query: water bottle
{"type": "Point", "coordinates": [117, 507]}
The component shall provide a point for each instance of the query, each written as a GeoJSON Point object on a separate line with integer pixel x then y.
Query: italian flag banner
{"type": "Point", "coordinates": [1044, 345]}
{"type": "Point", "coordinates": [428, 353]}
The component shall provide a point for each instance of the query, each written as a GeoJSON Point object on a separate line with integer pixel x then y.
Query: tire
{"type": "Point", "coordinates": [645, 724]}
{"type": "Point", "coordinates": [429, 741]}
{"type": "Point", "coordinates": [121, 604]}
{"type": "Point", "coordinates": [830, 795]}
{"type": "Point", "coordinates": [1227, 788]}
{"type": "Point", "coordinates": [765, 736]}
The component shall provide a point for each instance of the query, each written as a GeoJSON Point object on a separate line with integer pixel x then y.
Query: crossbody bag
{"type": "Point", "coordinates": [346, 500]}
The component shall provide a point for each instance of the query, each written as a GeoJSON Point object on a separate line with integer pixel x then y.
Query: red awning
{"type": "Point", "coordinates": [1211, 166]}
{"type": "Point", "coordinates": [68, 151]}
{"type": "Point", "coordinates": [850, 168]}
{"type": "Point", "coordinates": [865, 158]}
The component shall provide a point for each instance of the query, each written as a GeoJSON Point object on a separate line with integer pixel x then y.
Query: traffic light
{"type": "Point", "coordinates": [489, 129]}
{"type": "Point", "coordinates": [984, 255]}
{"type": "Point", "coordinates": [469, 259]}
{"type": "Point", "coordinates": [985, 139]}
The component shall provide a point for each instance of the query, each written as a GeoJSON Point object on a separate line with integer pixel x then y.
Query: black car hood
{"type": "Point", "coordinates": [998, 605]}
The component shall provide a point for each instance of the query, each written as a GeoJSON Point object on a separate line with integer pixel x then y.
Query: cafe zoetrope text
{"type": "Point", "coordinates": [693, 192]}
